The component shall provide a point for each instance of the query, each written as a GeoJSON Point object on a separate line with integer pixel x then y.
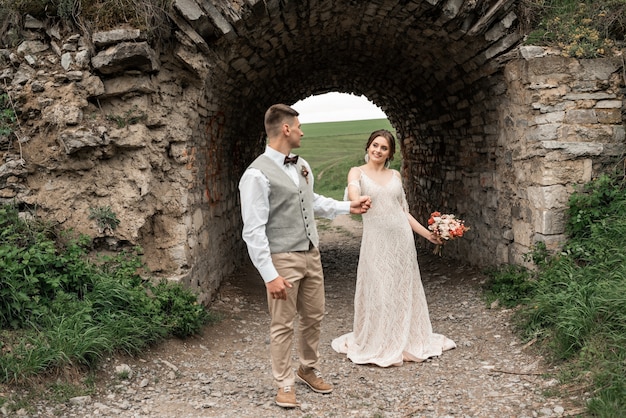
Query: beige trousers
{"type": "Point", "coordinates": [305, 300]}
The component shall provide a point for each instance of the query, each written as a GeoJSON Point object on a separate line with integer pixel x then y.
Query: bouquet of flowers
{"type": "Point", "coordinates": [447, 227]}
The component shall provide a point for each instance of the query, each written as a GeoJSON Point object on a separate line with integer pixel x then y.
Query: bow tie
{"type": "Point", "coordinates": [291, 160]}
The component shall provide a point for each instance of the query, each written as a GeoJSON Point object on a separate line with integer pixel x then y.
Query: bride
{"type": "Point", "coordinates": [391, 320]}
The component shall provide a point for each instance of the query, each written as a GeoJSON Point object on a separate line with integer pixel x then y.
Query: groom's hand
{"type": "Point", "coordinates": [278, 288]}
{"type": "Point", "coordinates": [361, 205]}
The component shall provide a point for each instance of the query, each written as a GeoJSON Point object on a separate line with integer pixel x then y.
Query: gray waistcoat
{"type": "Point", "coordinates": [291, 224]}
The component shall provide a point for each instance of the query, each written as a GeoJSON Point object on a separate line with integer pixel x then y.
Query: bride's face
{"type": "Point", "coordinates": [378, 150]}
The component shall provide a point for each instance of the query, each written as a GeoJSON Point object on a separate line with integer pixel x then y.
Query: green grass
{"type": "Point", "coordinates": [354, 127]}
{"type": "Point", "coordinates": [332, 148]}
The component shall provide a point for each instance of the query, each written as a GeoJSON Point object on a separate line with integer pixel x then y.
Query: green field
{"type": "Point", "coordinates": [332, 148]}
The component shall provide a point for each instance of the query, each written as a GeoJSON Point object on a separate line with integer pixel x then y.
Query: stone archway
{"type": "Point", "coordinates": [162, 131]}
{"type": "Point", "coordinates": [435, 68]}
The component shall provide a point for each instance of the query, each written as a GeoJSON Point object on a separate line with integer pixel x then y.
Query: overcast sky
{"type": "Point", "coordinates": [336, 107]}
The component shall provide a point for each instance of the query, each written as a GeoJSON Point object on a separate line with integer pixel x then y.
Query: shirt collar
{"type": "Point", "coordinates": [276, 156]}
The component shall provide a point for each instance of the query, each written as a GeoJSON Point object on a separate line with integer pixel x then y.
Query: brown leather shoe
{"type": "Point", "coordinates": [313, 378]}
{"type": "Point", "coordinates": [286, 397]}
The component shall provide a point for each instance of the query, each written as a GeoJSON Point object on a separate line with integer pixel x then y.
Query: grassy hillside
{"type": "Point", "coordinates": [331, 148]}
{"type": "Point", "coordinates": [353, 127]}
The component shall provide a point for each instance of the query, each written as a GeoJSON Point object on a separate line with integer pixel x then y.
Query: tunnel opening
{"type": "Point", "coordinates": [336, 127]}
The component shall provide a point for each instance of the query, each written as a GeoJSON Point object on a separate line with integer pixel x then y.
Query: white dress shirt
{"type": "Point", "coordinates": [254, 189]}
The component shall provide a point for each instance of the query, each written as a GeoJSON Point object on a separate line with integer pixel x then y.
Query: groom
{"type": "Point", "coordinates": [278, 207]}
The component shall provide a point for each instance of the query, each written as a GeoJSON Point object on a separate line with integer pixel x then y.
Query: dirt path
{"type": "Point", "coordinates": [225, 372]}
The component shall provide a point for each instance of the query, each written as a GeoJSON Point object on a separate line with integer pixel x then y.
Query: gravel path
{"type": "Point", "coordinates": [225, 372]}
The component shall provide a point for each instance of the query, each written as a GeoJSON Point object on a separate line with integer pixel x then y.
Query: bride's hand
{"type": "Point", "coordinates": [435, 239]}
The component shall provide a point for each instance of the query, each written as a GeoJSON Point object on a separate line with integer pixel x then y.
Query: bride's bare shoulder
{"type": "Point", "coordinates": [354, 173]}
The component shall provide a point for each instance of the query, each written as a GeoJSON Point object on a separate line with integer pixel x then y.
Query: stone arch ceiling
{"type": "Point", "coordinates": [408, 57]}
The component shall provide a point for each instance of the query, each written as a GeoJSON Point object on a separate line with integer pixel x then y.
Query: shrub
{"type": "Point", "coordinates": [593, 203]}
{"type": "Point", "coordinates": [150, 16]}
{"type": "Point", "coordinates": [510, 285]}
{"type": "Point", "coordinates": [65, 309]}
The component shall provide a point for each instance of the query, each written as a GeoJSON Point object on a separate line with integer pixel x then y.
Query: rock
{"type": "Point", "coordinates": [126, 56]}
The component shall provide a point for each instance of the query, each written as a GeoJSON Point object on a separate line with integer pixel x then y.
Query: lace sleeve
{"type": "Point", "coordinates": [404, 203]}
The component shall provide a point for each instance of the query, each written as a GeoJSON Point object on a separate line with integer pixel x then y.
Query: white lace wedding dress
{"type": "Point", "coordinates": [391, 320]}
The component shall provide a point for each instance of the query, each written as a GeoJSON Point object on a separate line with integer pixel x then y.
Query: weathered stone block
{"type": "Point", "coordinates": [131, 136]}
{"type": "Point", "coordinates": [598, 69]}
{"type": "Point", "coordinates": [549, 118]}
{"type": "Point", "coordinates": [549, 81]}
{"type": "Point", "coordinates": [518, 255]}
{"type": "Point", "coordinates": [549, 65]}
{"type": "Point", "coordinates": [553, 242]}
{"type": "Point", "coordinates": [545, 132]}
{"type": "Point", "coordinates": [198, 219]}
{"type": "Point", "coordinates": [548, 197]}
{"type": "Point", "coordinates": [76, 139]}
{"type": "Point", "coordinates": [63, 115]}
{"type": "Point", "coordinates": [575, 149]}
{"type": "Point", "coordinates": [126, 56]}
{"type": "Point", "coordinates": [589, 96]}
{"type": "Point", "coordinates": [609, 116]}
{"type": "Point", "coordinates": [120, 86]}
{"type": "Point", "coordinates": [619, 134]}
{"type": "Point", "coordinates": [530, 51]}
{"type": "Point", "coordinates": [581, 116]}
{"type": "Point", "coordinates": [523, 232]}
{"type": "Point", "coordinates": [32, 47]}
{"type": "Point", "coordinates": [547, 173]}
{"type": "Point", "coordinates": [550, 221]}
{"type": "Point", "coordinates": [114, 36]}
{"type": "Point", "coordinates": [609, 104]}
{"type": "Point", "coordinates": [595, 133]}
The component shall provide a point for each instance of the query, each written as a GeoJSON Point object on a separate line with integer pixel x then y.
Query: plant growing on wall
{"type": "Point", "coordinates": [7, 116]}
{"type": "Point", "coordinates": [150, 16]}
{"type": "Point", "coordinates": [582, 29]}
{"type": "Point", "coordinates": [105, 218]}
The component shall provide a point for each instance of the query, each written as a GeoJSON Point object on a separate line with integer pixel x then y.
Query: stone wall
{"type": "Point", "coordinates": [563, 124]}
{"type": "Point", "coordinates": [107, 121]}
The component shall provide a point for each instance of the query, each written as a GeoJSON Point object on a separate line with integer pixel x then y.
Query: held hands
{"type": "Point", "coordinates": [278, 288]}
{"type": "Point", "coordinates": [361, 205]}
